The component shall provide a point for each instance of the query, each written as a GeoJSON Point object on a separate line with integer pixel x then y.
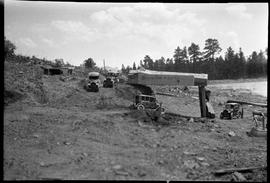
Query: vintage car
{"type": "Point", "coordinates": [108, 83]}
{"type": "Point", "coordinates": [232, 111]}
{"type": "Point", "coordinates": [93, 82]}
{"type": "Point", "coordinates": [143, 102]}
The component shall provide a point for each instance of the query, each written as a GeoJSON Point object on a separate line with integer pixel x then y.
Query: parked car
{"type": "Point", "coordinates": [232, 111]}
{"type": "Point", "coordinates": [108, 83]}
{"type": "Point", "coordinates": [146, 102]}
{"type": "Point", "coordinates": [93, 82]}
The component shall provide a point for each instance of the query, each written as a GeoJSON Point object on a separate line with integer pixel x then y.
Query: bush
{"type": "Point", "coordinates": [9, 48]}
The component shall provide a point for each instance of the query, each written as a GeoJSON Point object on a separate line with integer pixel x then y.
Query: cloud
{"type": "Point", "coordinates": [49, 42]}
{"type": "Point", "coordinates": [234, 39]}
{"type": "Point", "coordinates": [74, 30]}
{"type": "Point", "coordinates": [39, 28]}
{"type": "Point", "coordinates": [239, 10]}
{"type": "Point", "coordinates": [28, 42]}
{"type": "Point", "coordinates": [146, 21]}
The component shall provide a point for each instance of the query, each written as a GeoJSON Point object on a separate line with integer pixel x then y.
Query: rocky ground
{"type": "Point", "coordinates": [54, 129]}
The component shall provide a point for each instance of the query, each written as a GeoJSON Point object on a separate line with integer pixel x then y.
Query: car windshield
{"type": "Point", "coordinates": [93, 77]}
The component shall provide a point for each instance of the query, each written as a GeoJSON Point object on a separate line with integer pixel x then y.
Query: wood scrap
{"type": "Point", "coordinates": [231, 170]}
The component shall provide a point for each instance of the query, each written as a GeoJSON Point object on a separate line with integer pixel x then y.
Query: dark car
{"type": "Point", "coordinates": [146, 102]}
{"type": "Point", "coordinates": [108, 83]}
{"type": "Point", "coordinates": [232, 111]}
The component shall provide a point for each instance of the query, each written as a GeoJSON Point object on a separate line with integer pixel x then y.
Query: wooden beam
{"type": "Point", "coordinates": [247, 103]}
{"type": "Point", "coordinates": [202, 100]}
{"type": "Point", "coordinates": [200, 81]}
{"type": "Point", "coordinates": [231, 170]}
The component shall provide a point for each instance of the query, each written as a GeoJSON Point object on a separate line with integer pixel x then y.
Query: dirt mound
{"type": "Point", "coordinates": [11, 96]}
{"type": "Point", "coordinates": [22, 79]}
{"type": "Point", "coordinates": [127, 92]}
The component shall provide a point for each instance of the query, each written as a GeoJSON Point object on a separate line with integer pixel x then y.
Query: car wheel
{"type": "Point", "coordinates": [221, 116]}
{"type": "Point", "coordinates": [230, 116]}
{"type": "Point", "coordinates": [140, 107]}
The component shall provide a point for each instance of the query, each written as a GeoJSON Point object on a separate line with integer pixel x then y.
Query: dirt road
{"type": "Point", "coordinates": [69, 133]}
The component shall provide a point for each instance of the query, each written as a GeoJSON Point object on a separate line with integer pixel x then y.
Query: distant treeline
{"type": "Point", "coordinates": [234, 66]}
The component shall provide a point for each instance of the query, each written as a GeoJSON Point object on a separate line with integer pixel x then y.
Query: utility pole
{"type": "Point", "coordinates": [104, 64]}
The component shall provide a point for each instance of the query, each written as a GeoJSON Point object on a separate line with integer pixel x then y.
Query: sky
{"type": "Point", "coordinates": [123, 33]}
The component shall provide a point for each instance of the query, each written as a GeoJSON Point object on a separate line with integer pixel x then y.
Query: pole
{"type": "Point", "coordinates": [202, 100]}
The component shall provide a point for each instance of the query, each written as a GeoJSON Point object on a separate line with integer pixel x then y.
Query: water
{"type": "Point", "coordinates": [259, 87]}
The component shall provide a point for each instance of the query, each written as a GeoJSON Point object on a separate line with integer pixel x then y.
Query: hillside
{"type": "Point", "coordinates": [54, 129]}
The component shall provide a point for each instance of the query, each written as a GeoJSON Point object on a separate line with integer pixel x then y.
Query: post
{"type": "Point", "coordinates": [202, 100]}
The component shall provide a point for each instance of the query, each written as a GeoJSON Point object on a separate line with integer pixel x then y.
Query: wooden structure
{"type": "Point", "coordinates": [147, 77]}
{"type": "Point", "coordinates": [48, 70]}
{"type": "Point", "coordinates": [247, 103]}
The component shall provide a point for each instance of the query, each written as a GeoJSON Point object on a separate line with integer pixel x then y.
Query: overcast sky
{"type": "Point", "coordinates": [122, 33]}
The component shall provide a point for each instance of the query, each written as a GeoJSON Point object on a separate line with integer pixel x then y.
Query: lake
{"type": "Point", "coordinates": [259, 87]}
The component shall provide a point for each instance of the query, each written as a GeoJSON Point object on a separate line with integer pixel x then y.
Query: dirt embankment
{"type": "Point", "coordinates": [54, 129]}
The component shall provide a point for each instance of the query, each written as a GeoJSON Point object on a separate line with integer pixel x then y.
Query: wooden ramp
{"type": "Point", "coordinates": [149, 77]}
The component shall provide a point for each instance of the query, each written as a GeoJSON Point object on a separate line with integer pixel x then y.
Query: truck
{"type": "Point", "coordinates": [93, 82]}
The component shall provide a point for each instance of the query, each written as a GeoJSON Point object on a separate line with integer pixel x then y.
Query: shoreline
{"type": "Point", "coordinates": [225, 81]}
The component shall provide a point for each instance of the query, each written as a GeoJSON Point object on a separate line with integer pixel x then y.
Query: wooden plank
{"type": "Point", "coordinates": [230, 170]}
{"type": "Point", "coordinates": [202, 100]}
{"type": "Point", "coordinates": [200, 82]}
{"type": "Point", "coordinates": [147, 79]}
{"type": "Point", "coordinates": [247, 103]}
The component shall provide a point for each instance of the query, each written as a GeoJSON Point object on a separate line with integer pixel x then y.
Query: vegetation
{"type": "Point", "coordinates": [233, 66]}
{"type": "Point", "coordinates": [9, 48]}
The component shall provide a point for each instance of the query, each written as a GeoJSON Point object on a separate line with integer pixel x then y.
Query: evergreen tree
{"type": "Point", "coordinates": [148, 62]}
{"type": "Point", "coordinates": [89, 63]}
{"type": "Point", "coordinates": [194, 53]}
{"type": "Point", "coordinates": [134, 66]}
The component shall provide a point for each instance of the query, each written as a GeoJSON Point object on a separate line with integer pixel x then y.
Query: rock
{"type": "Point", "coordinates": [117, 167]}
{"type": "Point", "coordinates": [231, 134]}
{"type": "Point", "coordinates": [121, 173]}
{"type": "Point", "coordinates": [141, 173]}
{"type": "Point", "coordinates": [191, 120]}
{"type": "Point", "coordinates": [42, 164]}
{"type": "Point", "coordinates": [189, 153]}
{"type": "Point", "coordinates": [160, 162]}
{"type": "Point", "coordinates": [214, 149]}
{"type": "Point", "coordinates": [216, 126]}
{"type": "Point", "coordinates": [238, 177]}
{"type": "Point", "coordinates": [36, 135]}
{"type": "Point", "coordinates": [191, 164]}
{"type": "Point", "coordinates": [21, 72]}
{"type": "Point", "coordinates": [200, 158]}
{"type": "Point", "coordinates": [205, 164]}
{"type": "Point", "coordinates": [212, 129]}
{"type": "Point", "coordinates": [85, 154]}
{"type": "Point", "coordinates": [67, 143]}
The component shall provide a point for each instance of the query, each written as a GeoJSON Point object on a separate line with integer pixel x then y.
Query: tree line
{"type": "Point", "coordinates": [233, 65]}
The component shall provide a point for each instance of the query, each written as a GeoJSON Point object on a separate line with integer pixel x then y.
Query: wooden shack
{"type": "Point", "coordinates": [48, 70]}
